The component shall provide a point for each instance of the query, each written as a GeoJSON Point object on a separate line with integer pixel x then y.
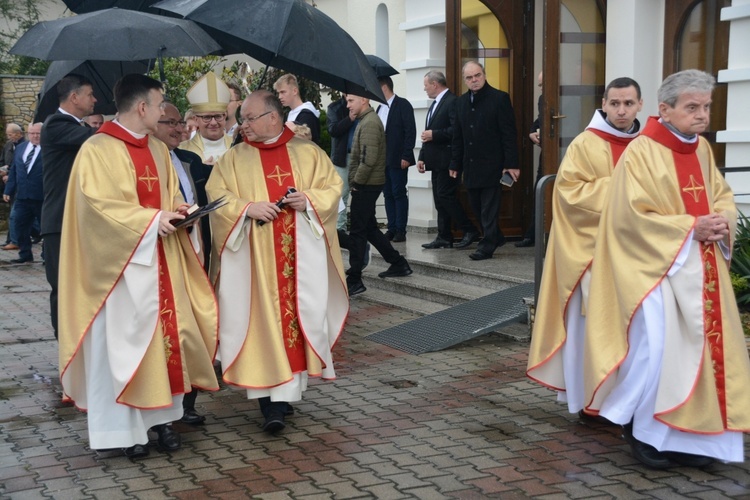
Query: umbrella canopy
{"type": "Point", "coordinates": [381, 67]}
{"type": "Point", "coordinates": [102, 74]}
{"type": "Point", "coordinates": [286, 34]}
{"type": "Point", "coordinates": [114, 35]}
{"type": "Point", "coordinates": [84, 6]}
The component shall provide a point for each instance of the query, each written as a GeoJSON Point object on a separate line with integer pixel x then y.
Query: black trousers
{"type": "Point", "coordinates": [485, 203]}
{"type": "Point", "coordinates": [364, 228]}
{"type": "Point", "coordinates": [51, 269]}
{"type": "Point", "coordinates": [449, 209]}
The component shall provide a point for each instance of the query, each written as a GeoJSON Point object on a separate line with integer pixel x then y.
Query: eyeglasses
{"type": "Point", "coordinates": [208, 118]}
{"type": "Point", "coordinates": [162, 105]}
{"type": "Point", "coordinates": [243, 119]}
{"type": "Point", "coordinates": [173, 123]}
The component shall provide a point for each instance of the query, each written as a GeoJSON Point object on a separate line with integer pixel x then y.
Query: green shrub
{"type": "Point", "coordinates": [740, 267]}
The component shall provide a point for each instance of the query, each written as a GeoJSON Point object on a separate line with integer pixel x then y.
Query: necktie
{"type": "Point", "coordinates": [29, 157]}
{"type": "Point", "coordinates": [429, 114]}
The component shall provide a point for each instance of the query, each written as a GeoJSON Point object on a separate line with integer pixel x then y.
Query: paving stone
{"type": "Point", "coordinates": [472, 427]}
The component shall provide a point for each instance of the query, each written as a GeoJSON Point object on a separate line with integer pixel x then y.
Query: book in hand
{"type": "Point", "coordinates": [195, 212]}
{"type": "Point", "coordinates": [507, 180]}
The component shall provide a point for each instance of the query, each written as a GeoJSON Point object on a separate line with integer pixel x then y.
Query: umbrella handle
{"type": "Point", "coordinates": [262, 78]}
{"type": "Point", "coordinates": [161, 63]}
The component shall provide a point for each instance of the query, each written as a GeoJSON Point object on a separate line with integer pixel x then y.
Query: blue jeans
{"type": "Point", "coordinates": [396, 201]}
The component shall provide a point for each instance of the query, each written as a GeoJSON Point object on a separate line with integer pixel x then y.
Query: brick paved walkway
{"type": "Point", "coordinates": [462, 423]}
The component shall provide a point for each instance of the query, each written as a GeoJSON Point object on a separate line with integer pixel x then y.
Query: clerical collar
{"type": "Point", "coordinates": [271, 141]}
{"type": "Point", "coordinates": [599, 122]}
{"type": "Point", "coordinates": [689, 139]}
{"type": "Point", "coordinates": [278, 141]}
{"type": "Point", "coordinates": [126, 129]}
{"type": "Point", "coordinates": [632, 130]}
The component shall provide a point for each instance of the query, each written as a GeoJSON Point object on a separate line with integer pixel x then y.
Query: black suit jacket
{"type": "Point", "coordinates": [436, 154]}
{"type": "Point", "coordinates": [484, 137]}
{"type": "Point", "coordinates": [199, 173]}
{"type": "Point", "coordinates": [24, 185]}
{"type": "Point", "coordinates": [62, 137]}
{"type": "Point", "coordinates": [400, 133]}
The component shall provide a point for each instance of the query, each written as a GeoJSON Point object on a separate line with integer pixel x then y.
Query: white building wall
{"type": "Point", "coordinates": [737, 78]}
{"type": "Point", "coordinates": [635, 47]}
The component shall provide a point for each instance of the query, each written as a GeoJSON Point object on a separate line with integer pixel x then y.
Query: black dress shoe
{"type": "Point", "coordinates": [399, 237]}
{"type": "Point", "coordinates": [21, 261]}
{"type": "Point", "coordinates": [389, 235]}
{"type": "Point", "coordinates": [645, 453]}
{"type": "Point", "coordinates": [480, 256]}
{"type": "Point", "coordinates": [136, 451]}
{"type": "Point", "coordinates": [437, 243]}
{"type": "Point", "coordinates": [399, 268]}
{"type": "Point", "coordinates": [191, 417]}
{"type": "Point", "coordinates": [289, 410]}
{"type": "Point", "coordinates": [526, 242]}
{"type": "Point", "coordinates": [467, 240]}
{"type": "Point", "coordinates": [593, 418]}
{"type": "Point", "coordinates": [274, 424]}
{"type": "Point", "coordinates": [688, 459]}
{"type": "Point", "coordinates": [169, 439]}
{"type": "Point", "coordinates": [356, 288]}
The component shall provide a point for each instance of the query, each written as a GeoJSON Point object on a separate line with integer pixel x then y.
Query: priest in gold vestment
{"type": "Point", "coordinates": [280, 284]}
{"type": "Point", "coordinates": [138, 318]}
{"type": "Point", "coordinates": [581, 186]}
{"type": "Point", "coordinates": [665, 353]}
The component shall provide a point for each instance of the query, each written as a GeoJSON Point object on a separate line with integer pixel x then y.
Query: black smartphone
{"type": "Point", "coordinates": [507, 180]}
{"type": "Point", "coordinates": [279, 203]}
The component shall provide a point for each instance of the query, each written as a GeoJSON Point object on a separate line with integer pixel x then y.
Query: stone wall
{"type": "Point", "coordinates": [18, 98]}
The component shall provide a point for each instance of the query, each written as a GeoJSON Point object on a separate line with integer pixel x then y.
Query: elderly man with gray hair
{"type": "Point", "coordinates": [665, 354]}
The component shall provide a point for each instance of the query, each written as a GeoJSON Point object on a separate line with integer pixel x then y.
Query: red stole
{"type": "Point", "coordinates": [149, 196]}
{"type": "Point", "coordinates": [695, 198]}
{"type": "Point", "coordinates": [616, 144]}
{"type": "Point", "coordinates": [278, 176]}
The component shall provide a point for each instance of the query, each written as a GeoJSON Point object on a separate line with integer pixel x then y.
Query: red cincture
{"type": "Point", "coordinates": [695, 198]}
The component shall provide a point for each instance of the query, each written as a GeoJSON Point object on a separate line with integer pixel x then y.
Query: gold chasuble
{"type": "Point", "coordinates": [281, 288]}
{"type": "Point", "coordinates": [659, 188]}
{"type": "Point", "coordinates": [161, 318]}
{"type": "Point", "coordinates": [581, 187]}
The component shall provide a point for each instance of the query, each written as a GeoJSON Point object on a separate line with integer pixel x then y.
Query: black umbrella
{"type": "Point", "coordinates": [381, 67]}
{"type": "Point", "coordinates": [84, 6]}
{"type": "Point", "coordinates": [286, 34]}
{"type": "Point", "coordinates": [114, 35]}
{"type": "Point", "coordinates": [102, 74]}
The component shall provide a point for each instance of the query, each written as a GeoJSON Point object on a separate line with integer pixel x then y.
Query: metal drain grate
{"type": "Point", "coordinates": [456, 324]}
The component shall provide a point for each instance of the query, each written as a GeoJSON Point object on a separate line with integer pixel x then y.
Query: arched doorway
{"type": "Point", "coordinates": [695, 37]}
{"type": "Point", "coordinates": [496, 33]}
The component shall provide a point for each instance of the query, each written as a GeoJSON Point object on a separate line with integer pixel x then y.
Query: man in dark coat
{"type": "Point", "coordinates": [25, 185]}
{"type": "Point", "coordinates": [339, 123]}
{"type": "Point", "coordinates": [435, 156]}
{"type": "Point", "coordinates": [63, 134]}
{"type": "Point", "coordinates": [193, 175]}
{"type": "Point", "coordinates": [400, 135]}
{"type": "Point", "coordinates": [484, 148]}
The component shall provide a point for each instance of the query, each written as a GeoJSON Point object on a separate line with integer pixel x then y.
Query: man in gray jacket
{"type": "Point", "coordinates": [366, 180]}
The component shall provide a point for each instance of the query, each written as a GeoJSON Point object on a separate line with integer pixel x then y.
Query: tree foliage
{"type": "Point", "coordinates": [17, 16]}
